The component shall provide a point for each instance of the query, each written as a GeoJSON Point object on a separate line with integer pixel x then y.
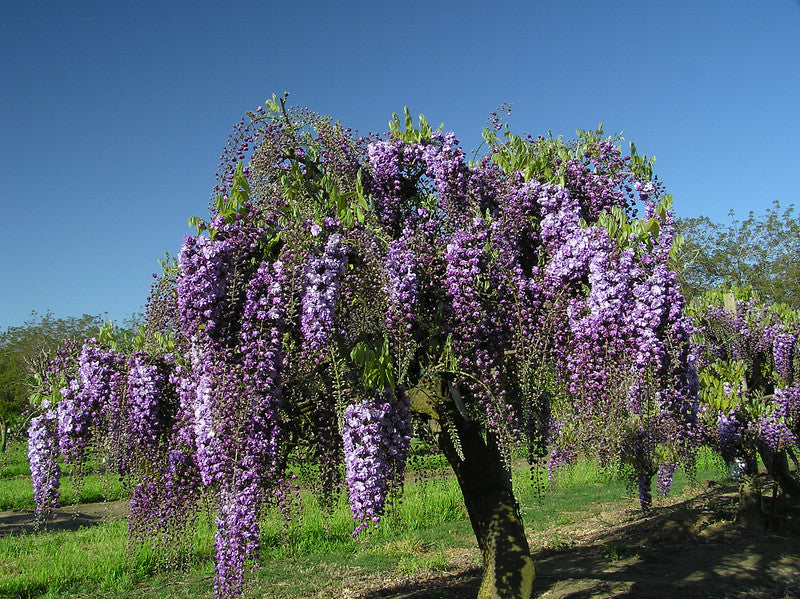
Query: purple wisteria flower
{"type": "Point", "coordinates": [401, 288]}
{"type": "Point", "coordinates": [43, 453]}
{"type": "Point", "coordinates": [322, 280]}
{"type": "Point", "coordinates": [376, 435]}
{"type": "Point", "coordinates": [729, 435]}
{"type": "Point", "coordinates": [73, 423]}
{"type": "Point", "coordinates": [91, 400]}
{"type": "Point", "coordinates": [772, 429]}
{"type": "Point", "coordinates": [145, 397]}
{"type": "Point", "coordinates": [782, 349]}
{"type": "Point", "coordinates": [204, 265]}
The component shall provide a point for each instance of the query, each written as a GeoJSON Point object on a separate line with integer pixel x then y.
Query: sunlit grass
{"type": "Point", "coordinates": [17, 493]}
{"type": "Point", "coordinates": [14, 462]}
{"type": "Point", "coordinates": [309, 554]}
{"type": "Point", "coordinates": [16, 490]}
{"type": "Point", "coordinates": [97, 561]}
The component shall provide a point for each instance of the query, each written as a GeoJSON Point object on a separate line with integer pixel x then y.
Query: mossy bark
{"type": "Point", "coordinates": [777, 464]}
{"type": "Point", "coordinates": [508, 569]}
{"type": "Point", "coordinates": [751, 509]}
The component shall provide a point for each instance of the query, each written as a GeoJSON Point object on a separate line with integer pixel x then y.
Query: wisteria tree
{"type": "Point", "coordinates": [346, 292]}
{"type": "Point", "coordinates": [749, 368]}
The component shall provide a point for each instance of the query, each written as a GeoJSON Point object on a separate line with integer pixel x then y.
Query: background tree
{"type": "Point", "coordinates": [344, 286]}
{"type": "Point", "coordinates": [13, 391]}
{"type": "Point", "coordinates": [760, 251]}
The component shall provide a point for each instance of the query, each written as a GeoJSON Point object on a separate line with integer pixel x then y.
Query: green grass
{"type": "Point", "coordinates": [96, 561]}
{"type": "Point", "coordinates": [586, 485]}
{"type": "Point", "coordinates": [17, 493]}
{"type": "Point", "coordinates": [315, 550]}
{"type": "Point", "coordinates": [47, 562]}
{"type": "Point", "coordinates": [14, 462]}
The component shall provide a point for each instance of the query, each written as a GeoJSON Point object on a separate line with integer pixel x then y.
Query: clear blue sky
{"type": "Point", "coordinates": [113, 114]}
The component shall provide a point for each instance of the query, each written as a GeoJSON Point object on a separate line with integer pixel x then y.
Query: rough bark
{"type": "Point", "coordinates": [751, 510]}
{"type": "Point", "coordinates": [508, 569]}
{"type": "Point", "coordinates": [777, 465]}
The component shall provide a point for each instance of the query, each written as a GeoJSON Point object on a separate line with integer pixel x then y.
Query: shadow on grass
{"type": "Point", "coordinates": [70, 518]}
{"type": "Point", "coordinates": [690, 549]}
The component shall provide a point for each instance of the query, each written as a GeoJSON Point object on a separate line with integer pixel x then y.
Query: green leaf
{"type": "Point", "coordinates": [377, 371]}
{"type": "Point", "coordinates": [272, 104]}
{"type": "Point", "coordinates": [653, 227]}
{"type": "Point", "coordinates": [196, 223]}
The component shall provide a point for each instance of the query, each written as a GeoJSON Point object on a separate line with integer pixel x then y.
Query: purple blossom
{"type": "Point", "coordinates": [665, 477]}
{"type": "Point", "coordinates": [42, 455]}
{"type": "Point", "coordinates": [782, 350]}
{"type": "Point", "coordinates": [145, 400]}
{"type": "Point", "coordinates": [772, 430]}
{"type": "Point", "coordinates": [322, 280]}
{"type": "Point", "coordinates": [376, 437]}
{"type": "Point", "coordinates": [204, 265]}
{"type": "Point", "coordinates": [401, 288]}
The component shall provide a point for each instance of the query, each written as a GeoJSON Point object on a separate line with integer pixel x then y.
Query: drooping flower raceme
{"type": "Point", "coordinates": [376, 438]}
{"type": "Point", "coordinates": [782, 352]}
{"type": "Point", "coordinates": [93, 402]}
{"type": "Point", "coordinates": [145, 388]}
{"type": "Point", "coordinates": [401, 290]}
{"type": "Point", "coordinates": [204, 267]}
{"type": "Point", "coordinates": [73, 423]}
{"type": "Point", "coordinates": [729, 434]}
{"type": "Point", "coordinates": [43, 453]}
{"type": "Point", "coordinates": [322, 280]}
{"type": "Point", "coordinates": [237, 424]}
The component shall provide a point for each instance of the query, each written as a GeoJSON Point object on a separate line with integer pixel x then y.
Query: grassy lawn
{"type": "Point", "coordinates": [423, 534]}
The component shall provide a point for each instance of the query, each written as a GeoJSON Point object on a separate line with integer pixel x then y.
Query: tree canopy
{"type": "Point", "coordinates": [760, 251]}
{"type": "Point", "coordinates": [346, 292]}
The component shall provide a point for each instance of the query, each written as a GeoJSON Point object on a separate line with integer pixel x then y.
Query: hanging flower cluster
{"type": "Point", "coordinates": [322, 279]}
{"type": "Point", "coordinates": [42, 456]}
{"type": "Point", "coordinates": [401, 288]}
{"type": "Point", "coordinates": [376, 436]}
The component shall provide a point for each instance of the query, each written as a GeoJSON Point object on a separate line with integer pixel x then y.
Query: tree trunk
{"type": "Point", "coordinates": [751, 511]}
{"type": "Point", "coordinates": [508, 569]}
{"type": "Point", "coordinates": [777, 465]}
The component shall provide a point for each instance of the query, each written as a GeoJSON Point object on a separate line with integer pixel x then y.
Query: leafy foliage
{"type": "Point", "coordinates": [759, 252]}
